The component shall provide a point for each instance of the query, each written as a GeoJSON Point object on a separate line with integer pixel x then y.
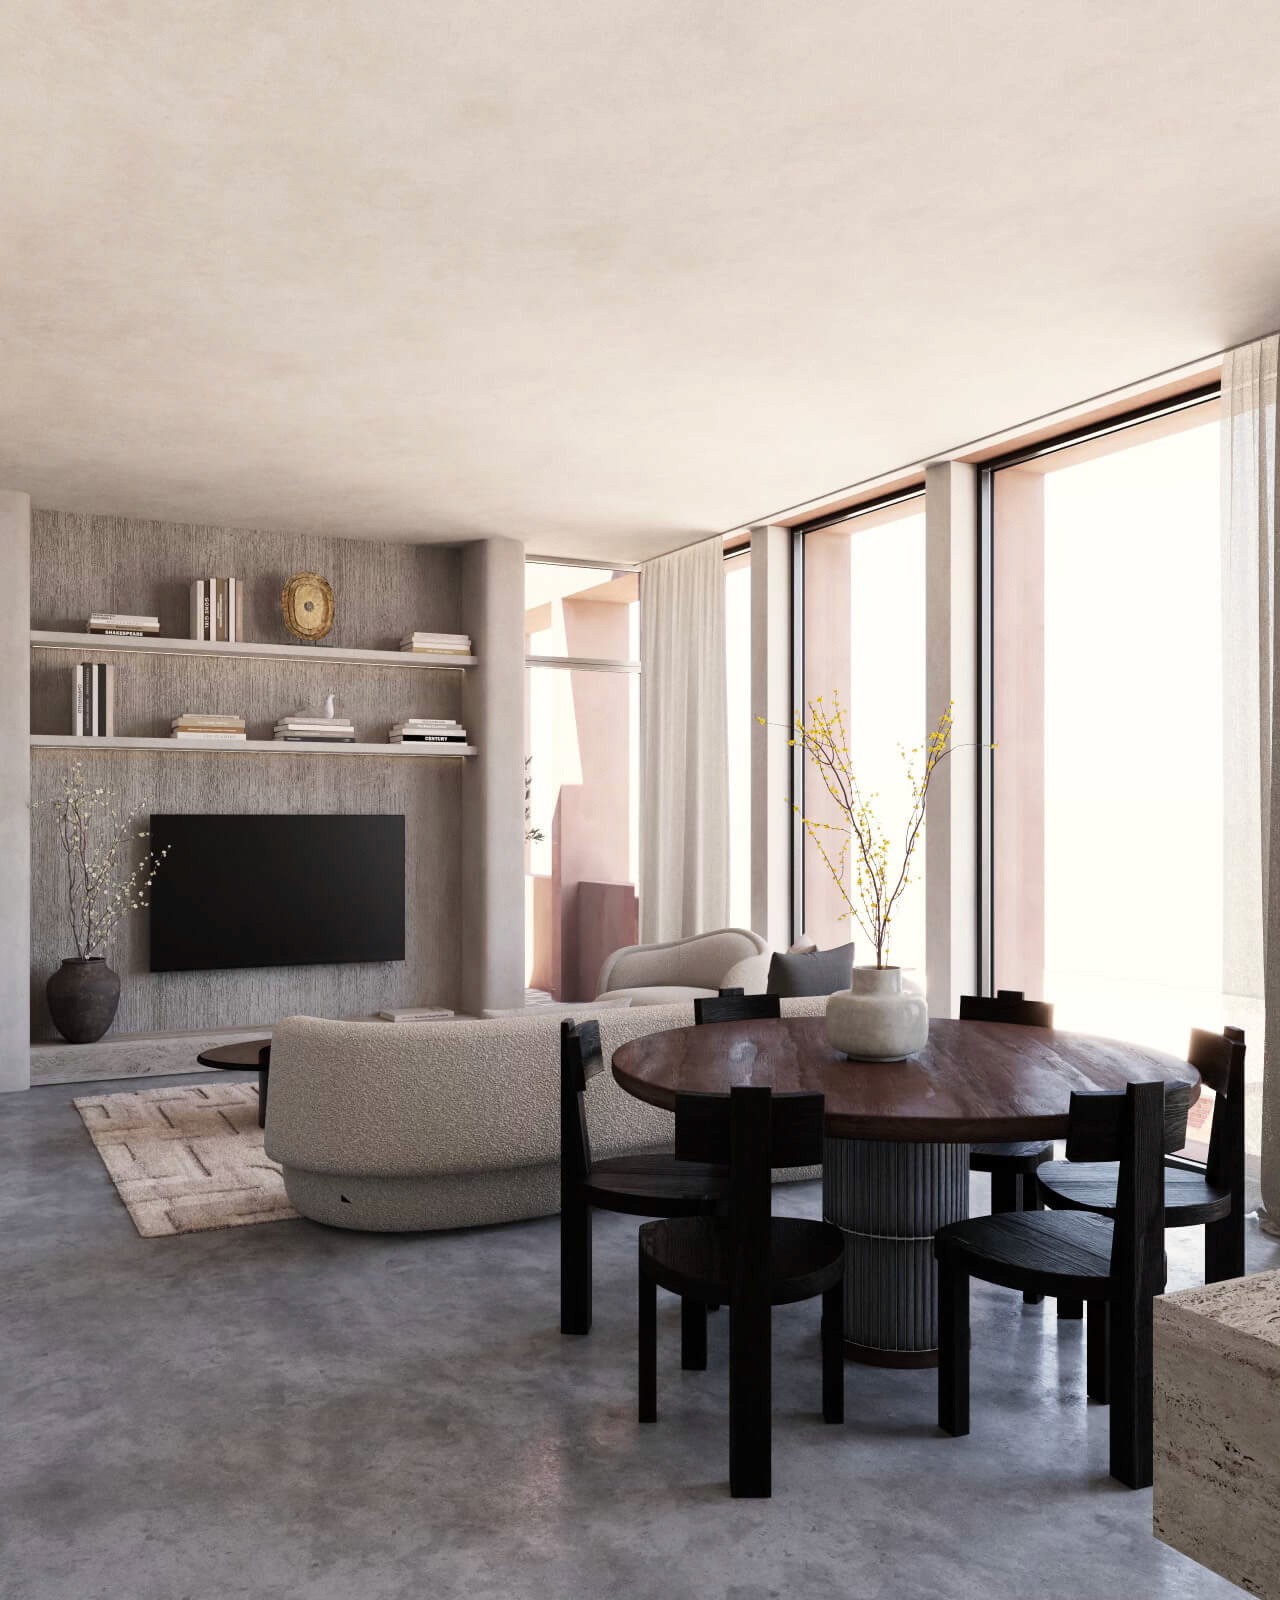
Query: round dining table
{"type": "Point", "coordinates": [897, 1135]}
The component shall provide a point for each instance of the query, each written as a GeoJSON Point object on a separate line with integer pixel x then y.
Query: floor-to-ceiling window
{"type": "Point", "coordinates": [864, 640]}
{"type": "Point", "coordinates": [1107, 778]}
{"type": "Point", "coordinates": [737, 641]}
{"type": "Point", "coordinates": [582, 644]}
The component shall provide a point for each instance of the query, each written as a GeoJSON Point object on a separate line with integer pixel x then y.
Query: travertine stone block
{"type": "Point", "coordinates": [1217, 1428]}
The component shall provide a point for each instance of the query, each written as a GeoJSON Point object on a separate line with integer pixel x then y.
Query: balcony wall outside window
{"type": "Point", "coordinates": [582, 720]}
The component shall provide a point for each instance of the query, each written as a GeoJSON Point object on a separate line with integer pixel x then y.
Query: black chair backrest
{"type": "Point", "coordinates": [1006, 1005]}
{"type": "Point", "coordinates": [734, 1006]}
{"type": "Point", "coordinates": [752, 1130]}
{"type": "Point", "coordinates": [1097, 1127]}
{"type": "Point", "coordinates": [581, 1059]}
{"type": "Point", "coordinates": [704, 1124]}
{"type": "Point", "coordinates": [1219, 1059]}
{"type": "Point", "coordinates": [1137, 1129]}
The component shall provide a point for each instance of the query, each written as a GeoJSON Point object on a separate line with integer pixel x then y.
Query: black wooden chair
{"type": "Point", "coordinates": [1214, 1197]}
{"type": "Point", "coordinates": [733, 1005]}
{"type": "Point", "coordinates": [749, 1260]}
{"type": "Point", "coordinates": [1115, 1263]}
{"type": "Point", "coordinates": [1012, 1164]}
{"type": "Point", "coordinates": [640, 1186]}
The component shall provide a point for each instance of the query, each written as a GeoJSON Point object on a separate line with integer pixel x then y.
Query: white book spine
{"type": "Point", "coordinates": [111, 700]}
{"type": "Point", "coordinates": [77, 701]}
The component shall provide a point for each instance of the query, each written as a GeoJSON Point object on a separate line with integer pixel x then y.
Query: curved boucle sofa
{"type": "Point", "coordinates": [398, 1126]}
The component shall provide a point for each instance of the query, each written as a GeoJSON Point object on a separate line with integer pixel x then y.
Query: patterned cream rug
{"type": "Point", "coordinates": [188, 1158]}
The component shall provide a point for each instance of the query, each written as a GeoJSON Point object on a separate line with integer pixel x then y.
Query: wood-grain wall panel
{"type": "Point", "coordinates": [82, 563]}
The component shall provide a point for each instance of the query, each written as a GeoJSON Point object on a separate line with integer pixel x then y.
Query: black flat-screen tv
{"type": "Point", "coordinates": [276, 891]}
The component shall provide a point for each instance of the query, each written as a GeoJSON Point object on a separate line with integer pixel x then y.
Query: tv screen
{"type": "Point", "coordinates": [276, 891]}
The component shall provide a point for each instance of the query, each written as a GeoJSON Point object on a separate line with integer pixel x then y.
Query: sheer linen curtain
{"type": "Point", "coordinates": [684, 745]}
{"type": "Point", "coordinates": [1251, 726]}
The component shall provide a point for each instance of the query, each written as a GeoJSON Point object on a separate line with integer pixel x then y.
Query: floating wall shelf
{"type": "Point", "coordinates": [256, 747]}
{"type": "Point", "coordinates": [313, 654]}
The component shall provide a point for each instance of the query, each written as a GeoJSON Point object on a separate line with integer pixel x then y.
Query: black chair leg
{"type": "Point", "coordinates": [1004, 1191]}
{"type": "Point", "coordinates": [833, 1354]}
{"type": "Point", "coordinates": [1031, 1202]}
{"type": "Point", "coordinates": [1098, 1352]}
{"type": "Point", "coordinates": [1070, 1310]}
{"type": "Point", "coordinates": [1131, 1400]}
{"type": "Point", "coordinates": [953, 1350]}
{"type": "Point", "coordinates": [648, 1347]}
{"type": "Point", "coordinates": [750, 1404]}
{"type": "Point", "coordinates": [1224, 1249]}
{"type": "Point", "coordinates": [693, 1335]}
{"type": "Point", "coordinates": [575, 1265]}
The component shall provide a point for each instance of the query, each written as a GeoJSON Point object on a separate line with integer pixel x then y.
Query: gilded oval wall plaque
{"type": "Point", "coordinates": [307, 604]}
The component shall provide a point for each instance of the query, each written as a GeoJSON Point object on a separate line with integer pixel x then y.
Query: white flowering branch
{"type": "Point", "coordinates": [869, 868]}
{"type": "Point", "coordinates": [103, 885]}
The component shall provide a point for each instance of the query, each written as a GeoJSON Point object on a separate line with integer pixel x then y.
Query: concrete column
{"type": "Point", "coordinates": [15, 790]}
{"type": "Point", "coordinates": [828, 669]}
{"type": "Point", "coordinates": [491, 921]}
{"type": "Point", "coordinates": [1019, 732]}
{"type": "Point", "coordinates": [770, 756]}
{"type": "Point", "coordinates": [951, 611]}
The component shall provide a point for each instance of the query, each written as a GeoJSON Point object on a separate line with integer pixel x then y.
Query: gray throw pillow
{"type": "Point", "coordinates": [821, 972]}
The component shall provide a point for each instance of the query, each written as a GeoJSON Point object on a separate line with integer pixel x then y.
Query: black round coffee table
{"type": "Point", "coordinates": [247, 1056]}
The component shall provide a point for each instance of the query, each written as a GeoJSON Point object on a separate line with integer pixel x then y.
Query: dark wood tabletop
{"type": "Point", "coordinates": [973, 1081]}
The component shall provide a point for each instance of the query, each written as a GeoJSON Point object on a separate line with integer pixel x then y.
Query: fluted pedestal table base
{"type": "Point", "coordinates": [888, 1200]}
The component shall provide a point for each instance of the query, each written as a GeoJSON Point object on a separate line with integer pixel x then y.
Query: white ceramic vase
{"type": "Point", "coordinates": [873, 1020]}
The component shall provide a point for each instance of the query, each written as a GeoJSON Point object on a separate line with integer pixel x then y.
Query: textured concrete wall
{"type": "Point", "coordinates": [15, 767]}
{"type": "Point", "coordinates": [83, 563]}
{"type": "Point", "coordinates": [426, 793]}
{"type": "Point", "coordinates": [491, 912]}
{"type": "Point", "coordinates": [98, 563]}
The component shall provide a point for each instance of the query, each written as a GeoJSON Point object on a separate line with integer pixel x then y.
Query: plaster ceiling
{"type": "Point", "coordinates": [604, 277]}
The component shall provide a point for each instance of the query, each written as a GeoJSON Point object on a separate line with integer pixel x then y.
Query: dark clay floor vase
{"type": "Point", "coordinates": [83, 996]}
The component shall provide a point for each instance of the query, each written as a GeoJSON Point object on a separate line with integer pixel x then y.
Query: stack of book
{"type": "Point", "coordinates": [437, 644]}
{"type": "Point", "coordinates": [202, 727]}
{"type": "Point", "coordinates": [123, 624]}
{"type": "Point", "coordinates": [427, 730]}
{"type": "Point", "coordinates": [93, 694]}
{"type": "Point", "coordinates": [316, 730]}
{"type": "Point", "coordinates": [217, 610]}
{"type": "Point", "coordinates": [418, 1014]}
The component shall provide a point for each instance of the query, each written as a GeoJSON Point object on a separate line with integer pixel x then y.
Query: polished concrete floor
{"type": "Point", "coordinates": [287, 1410]}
